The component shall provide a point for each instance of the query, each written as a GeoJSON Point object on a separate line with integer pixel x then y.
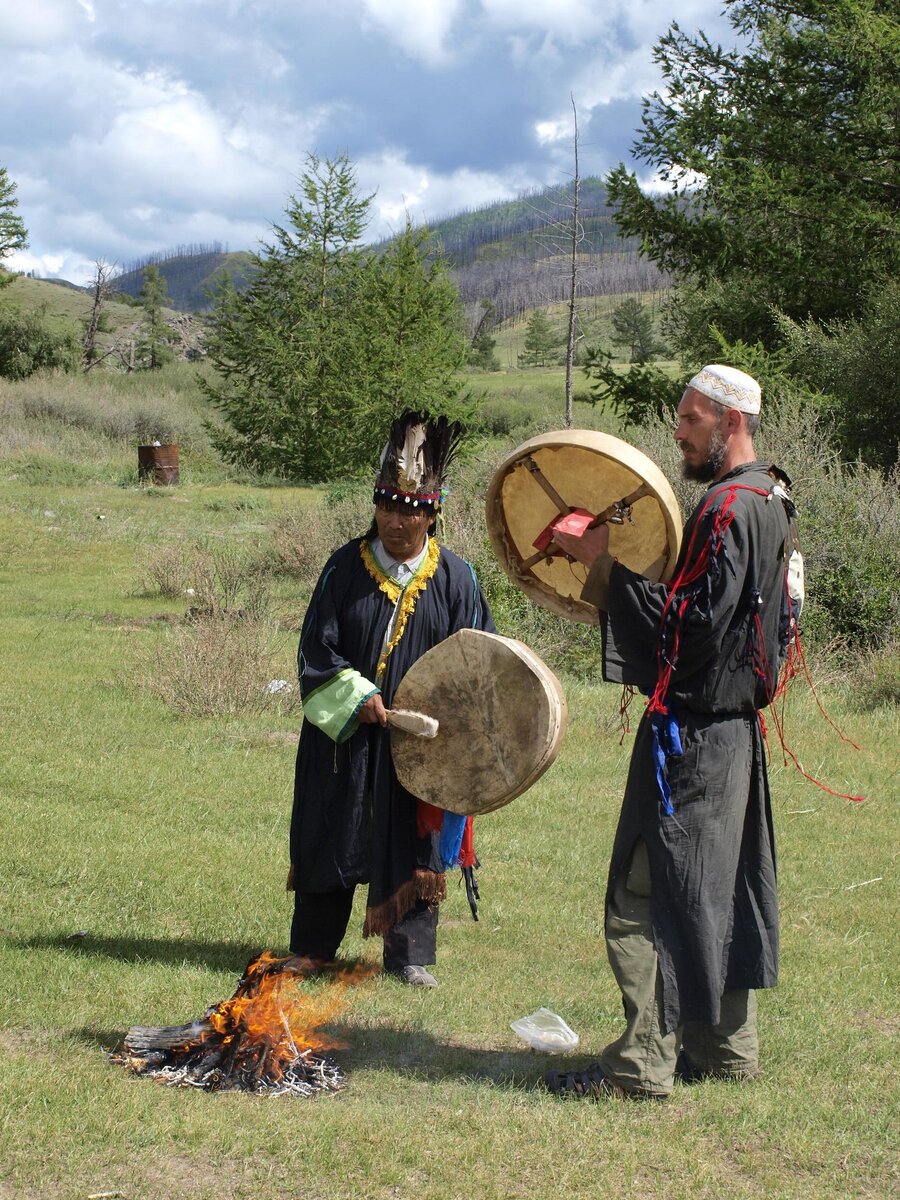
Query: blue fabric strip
{"type": "Point", "coordinates": [666, 745]}
{"type": "Point", "coordinates": [452, 829]}
{"type": "Point", "coordinates": [475, 613]}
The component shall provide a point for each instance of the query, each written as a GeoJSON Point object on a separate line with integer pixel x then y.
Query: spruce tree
{"type": "Point", "coordinates": [781, 162]}
{"type": "Point", "coordinates": [632, 326]}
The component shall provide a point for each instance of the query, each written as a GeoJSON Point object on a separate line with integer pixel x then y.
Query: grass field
{"type": "Point", "coordinates": [143, 864]}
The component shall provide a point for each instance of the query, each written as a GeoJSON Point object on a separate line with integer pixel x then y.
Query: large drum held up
{"type": "Point", "coordinates": [501, 719]}
{"type": "Point", "coordinates": [589, 474]}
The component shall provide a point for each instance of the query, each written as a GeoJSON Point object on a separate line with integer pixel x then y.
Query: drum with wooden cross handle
{"type": "Point", "coordinates": [587, 478]}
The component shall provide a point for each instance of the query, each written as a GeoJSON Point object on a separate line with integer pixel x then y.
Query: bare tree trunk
{"type": "Point", "coordinates": [89, 356]}
{"type": "Point", "coordinates": [577, 238]}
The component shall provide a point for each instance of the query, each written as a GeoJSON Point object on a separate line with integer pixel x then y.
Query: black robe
{"type": "Point", "coordinates": [712, 860]}
{"type": "Point", "coordinates": [353, 822]}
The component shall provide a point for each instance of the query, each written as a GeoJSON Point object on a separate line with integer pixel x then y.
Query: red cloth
{"type": "Point", "coordinates": [429, 819]}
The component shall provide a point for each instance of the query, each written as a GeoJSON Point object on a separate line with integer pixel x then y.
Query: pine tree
{"type": "Point", "coordinates": [540, 341]}
{"type": "Point", "coordinates": [780, 158]}
{"type": "Point", "coordinates": [153, 350]}
{"type": "Point", "coordinates": [13, 234]}
{"type": "Point", "coordinates": [331, 341]}
{"type": "Point", "coordinates": [633, 329]}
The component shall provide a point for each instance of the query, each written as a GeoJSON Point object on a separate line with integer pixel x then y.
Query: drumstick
{"type": "Point", "coordinates": [616, 513]}
{"type": "Point", "coordinates": [412, 722]}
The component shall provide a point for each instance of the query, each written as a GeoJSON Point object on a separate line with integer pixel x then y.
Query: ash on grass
{"type": "Point", "coordinates": [195, 1060]}
{"type": "Point", "coordinates": [248, 1043]}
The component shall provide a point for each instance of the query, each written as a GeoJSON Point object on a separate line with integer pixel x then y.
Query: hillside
{"type": "Point", "coordinates": [516, 253]}
{"type": "Point", "coordinates": [512, 253]}
{"type": "Point", "coordinates": [191, 274]}
{"type": "Point", "coordinates": [68, 308]}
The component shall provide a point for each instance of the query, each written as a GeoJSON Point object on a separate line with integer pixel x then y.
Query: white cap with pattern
{"type": "Point", "coordinates": [728, 386]}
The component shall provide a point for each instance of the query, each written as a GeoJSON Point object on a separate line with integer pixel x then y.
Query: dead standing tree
{"type": "Point", "coordinates": [577, 231]}
{"type": "Point", "coordinates": [91, 354]}
{"type": "Point", "coordinates": [564, 237]}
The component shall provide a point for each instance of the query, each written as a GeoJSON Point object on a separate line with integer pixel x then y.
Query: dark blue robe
{"type": "Point", "coordinates": [353, 822]}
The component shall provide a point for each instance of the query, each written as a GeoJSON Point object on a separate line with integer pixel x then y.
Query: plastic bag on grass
{"type": "Point", "coordinates": [544, 1030]}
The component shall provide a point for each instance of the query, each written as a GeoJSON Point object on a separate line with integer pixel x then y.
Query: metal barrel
{"type": "Point", "coordinates": [159, 463]}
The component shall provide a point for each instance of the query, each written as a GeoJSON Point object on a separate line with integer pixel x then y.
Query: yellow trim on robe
{"type": "Point", "coordinates": [394, 591]}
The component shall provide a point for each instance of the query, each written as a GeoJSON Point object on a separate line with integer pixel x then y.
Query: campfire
{"type": "Point", "coordinates": [265, 1039]}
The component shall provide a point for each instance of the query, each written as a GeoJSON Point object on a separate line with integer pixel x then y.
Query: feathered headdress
{"type": "Point", "coordinates": [415, 460]}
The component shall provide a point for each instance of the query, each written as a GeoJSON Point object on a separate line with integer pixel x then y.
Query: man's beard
{"type": "Point", "coordinates": [708, 469]}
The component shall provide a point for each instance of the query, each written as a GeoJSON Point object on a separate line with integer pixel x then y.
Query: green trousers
{"type": "Point", "coordinates": [643, 1059]}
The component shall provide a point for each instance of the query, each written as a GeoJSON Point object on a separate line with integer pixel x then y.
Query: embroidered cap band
{"type": "Point", "coordinates": [728, 386]}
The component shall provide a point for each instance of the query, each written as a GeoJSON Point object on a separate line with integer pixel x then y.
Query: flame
{"type": "Point", "coordinates": [269, 1011]}
{"type": "Point", "coordinates": [268, 1037]}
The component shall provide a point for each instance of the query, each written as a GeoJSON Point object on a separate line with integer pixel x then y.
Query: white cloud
{"type": "Point", "coordinates": [402, 187]}
{"type": "Point", "coordinates": [419, 27]}
{"type": "Point", "coordinates": [137, 125]}
{"type": "Point", "coordinates": [553, 130]}
{"type": "Point", "coordinates": [33, 23]}
{"type": "Point", "coordinates": [627, 76]}
{"type": "Point", "coordinates": [572, 21]}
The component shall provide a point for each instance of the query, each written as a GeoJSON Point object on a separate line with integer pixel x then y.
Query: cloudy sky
{"type": "Point", "coordinates": [134, 126]}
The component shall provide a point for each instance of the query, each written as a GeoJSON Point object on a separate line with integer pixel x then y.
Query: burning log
{"type": "Point", "coordinates": [263, 1040]}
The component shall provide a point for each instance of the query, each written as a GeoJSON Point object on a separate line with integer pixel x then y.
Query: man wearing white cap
{"type": "Point", "coordinates": [691, 912]}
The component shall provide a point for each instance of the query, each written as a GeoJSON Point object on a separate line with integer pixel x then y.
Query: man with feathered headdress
{"type": "Point", "coordinates": [381, 602]}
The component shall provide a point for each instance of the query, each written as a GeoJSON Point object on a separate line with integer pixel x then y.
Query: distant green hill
{"type": "Point", "coordinates": [191, 274]}
{"type": "Point", "coordinates": [67, 308]}
{"type": "Point", "coordinates": [512, 253]}
{"type": "Point", "coordinates": [516, 253]}
{"type": "Point", "coordinates": [521, 227]}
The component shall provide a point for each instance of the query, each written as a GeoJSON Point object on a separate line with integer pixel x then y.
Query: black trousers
{"type": "Point", "coordinates": [321, 920]}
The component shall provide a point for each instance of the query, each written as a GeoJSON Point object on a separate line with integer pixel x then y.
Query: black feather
{"type": "Point", "coordinates": [442, 439]}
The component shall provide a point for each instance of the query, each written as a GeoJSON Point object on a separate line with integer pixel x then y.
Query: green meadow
{"type": "Point", "coordinates": [145, 851]}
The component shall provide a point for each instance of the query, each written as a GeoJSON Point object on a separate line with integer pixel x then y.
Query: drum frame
{"type": "Point", "coordinates": [648, 482]}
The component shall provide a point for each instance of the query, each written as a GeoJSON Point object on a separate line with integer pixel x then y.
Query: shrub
{"type": "Point", "coordinates": [303, 539]}
{"type": "Point", "coordinates": [502, 417]}
{"type": "Point", "coordinates": [219, 666]}
{"type": "Point", "coordinates": [29, 343]}
{"type": "Point", "coordinates": [858, 364]}
{"type": "Point", "coordinates": [222, 580]}
{"type": "Point", "coordinates": [166, 571]}
{"type": "Point", "coordinates": [877, 679]}
{"type": "Point", "coordinates": [228, 651]}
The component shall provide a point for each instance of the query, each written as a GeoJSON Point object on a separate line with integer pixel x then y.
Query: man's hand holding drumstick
{"type": "Point", "coordinates": [585, 547]}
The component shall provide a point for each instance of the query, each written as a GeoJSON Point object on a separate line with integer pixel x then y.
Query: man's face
{"type": "Point", "coordinates": [402, 528]}
{"type": "Point", "coordinates": [699, 436]}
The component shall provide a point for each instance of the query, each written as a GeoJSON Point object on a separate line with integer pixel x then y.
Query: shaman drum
{"type": "Point", "coordinates": [595, 477]}
{"type": "Point", "coordinates": [501, 719]}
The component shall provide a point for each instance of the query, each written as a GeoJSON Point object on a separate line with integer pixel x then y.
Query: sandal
{"type": "Point", "coordinates": [590, 1084]}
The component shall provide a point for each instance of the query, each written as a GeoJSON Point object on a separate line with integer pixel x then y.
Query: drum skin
{"type": "Point", "coordinates": [501, 716]}
{"type": "Point", "coordinates": [588, 470]}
